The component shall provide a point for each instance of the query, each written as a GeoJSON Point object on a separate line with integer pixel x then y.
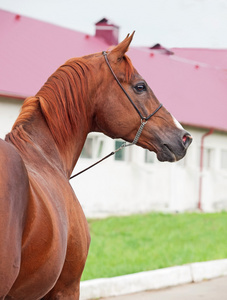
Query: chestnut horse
{"type": "Point", "coordinates": [43, 231]}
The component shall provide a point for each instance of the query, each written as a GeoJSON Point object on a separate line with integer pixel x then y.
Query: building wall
{"type": "Point", "coordinates": [134, 186]}
{"type": "Point", "coordinates": [136, 182]}
{"type": "Point", "coordinates": [9, 110]}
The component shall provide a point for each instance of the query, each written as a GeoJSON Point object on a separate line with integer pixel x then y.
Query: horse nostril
{"type": "Point", "coordinates": [184, 139]}
{"type": "Point", "coordinates": [187, 139]}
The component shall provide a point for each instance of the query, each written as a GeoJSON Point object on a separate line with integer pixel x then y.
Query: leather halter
{"type": "Point", "coordinates": [143, 121]}
{"type": "Point", "coordinates": [133, 104]}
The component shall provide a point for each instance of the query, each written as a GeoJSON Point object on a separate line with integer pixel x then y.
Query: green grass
{"type": "Point", "coordinates": [124, 245]}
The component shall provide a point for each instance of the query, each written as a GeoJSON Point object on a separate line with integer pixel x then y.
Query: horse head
{"type": "Point", "coordinates": [125, 100]}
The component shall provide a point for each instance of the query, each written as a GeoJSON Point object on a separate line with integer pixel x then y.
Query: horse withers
{"type": "Point", "coordinates": [43, 231]}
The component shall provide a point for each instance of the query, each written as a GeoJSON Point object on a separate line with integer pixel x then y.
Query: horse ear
{"type": "Point", "coordinates": [117, 53]}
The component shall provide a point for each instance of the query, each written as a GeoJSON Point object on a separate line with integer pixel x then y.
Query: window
{"type": "Point", "coordinates": [87, 149]}
{"type": "Point", "coordinates": [224, 159]}
{"type": "Point", "coordinates": [100, 148]}
{"type": "Point", "coordinates": [93, 147]}
{"type": "Point", "coordinates": [149, 157]}
{"type": "Point", "coordinates": [120, 155]}
{"type": "Point", "coordinates": [208, 156]}
{"type": "Point", "coordinates": [182, 162]}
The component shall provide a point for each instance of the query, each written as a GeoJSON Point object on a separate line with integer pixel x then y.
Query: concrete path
{"type": "Point", "coordinates": [214, 289]}
{"type": "Point", "coordinates": [191, 279]}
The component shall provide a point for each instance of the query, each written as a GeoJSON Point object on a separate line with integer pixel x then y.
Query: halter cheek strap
{"type": "Point", "coordinates": [129, 98]}
{"type": "Point", "coordinates": [143, 120]}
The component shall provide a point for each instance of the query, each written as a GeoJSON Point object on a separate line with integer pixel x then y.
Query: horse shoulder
{"type": "Point", "coordinates": [13, 206]}
{"type": "Point", "coordinates": [44, 242]}
{"type": "Point", "coordinates": [77, 250]}
{"type": "Point", "coordinates": [14, 186]}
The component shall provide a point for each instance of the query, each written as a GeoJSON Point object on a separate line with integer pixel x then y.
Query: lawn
{"type": "Point", "coordinates": [124, 245]}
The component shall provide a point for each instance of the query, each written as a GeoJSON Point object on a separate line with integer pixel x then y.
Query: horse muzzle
{"type": "Point", "coordinates": [174, 150]}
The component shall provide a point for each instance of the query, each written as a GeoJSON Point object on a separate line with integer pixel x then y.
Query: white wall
{"type": "Point", "coordinates": [133, 186]}
{"type": "Point", "coordinates": [9, 110]}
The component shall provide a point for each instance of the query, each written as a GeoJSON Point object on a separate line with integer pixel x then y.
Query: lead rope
{"type": "Point", "coordinates": [123, 145]}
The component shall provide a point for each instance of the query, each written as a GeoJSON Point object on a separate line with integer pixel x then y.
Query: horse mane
{"type": "Point", "coordinates": [61, 101]}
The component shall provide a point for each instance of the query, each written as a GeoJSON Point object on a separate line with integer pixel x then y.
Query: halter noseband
{"type": "Point", "coordinates": [143, 119]}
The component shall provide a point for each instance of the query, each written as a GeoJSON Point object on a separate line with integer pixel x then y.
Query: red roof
{"type": "Point", "coordinates": [192, 87]}
{"type": "Point", "coordinates": [191, 83]}
{"type": "Point", "coordinates": [32, 50]}
{"type": "Point", "coordinates": [206, 57]}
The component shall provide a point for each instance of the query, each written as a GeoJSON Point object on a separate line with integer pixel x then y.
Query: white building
{"type": "Point", "coordinates": [191, 83]}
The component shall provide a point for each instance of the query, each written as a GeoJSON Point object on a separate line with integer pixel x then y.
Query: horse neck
{"type": "Point", "coordinates": [61, 114]}
{"type": "Point", "coordinates": [35, 140]}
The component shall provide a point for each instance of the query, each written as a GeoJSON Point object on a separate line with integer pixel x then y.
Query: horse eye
{"type": "Point", "coordinates": [140, 87]}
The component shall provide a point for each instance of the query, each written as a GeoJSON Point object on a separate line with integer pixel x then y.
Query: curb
{"type": "Point", "coordinates": [152, 280]}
